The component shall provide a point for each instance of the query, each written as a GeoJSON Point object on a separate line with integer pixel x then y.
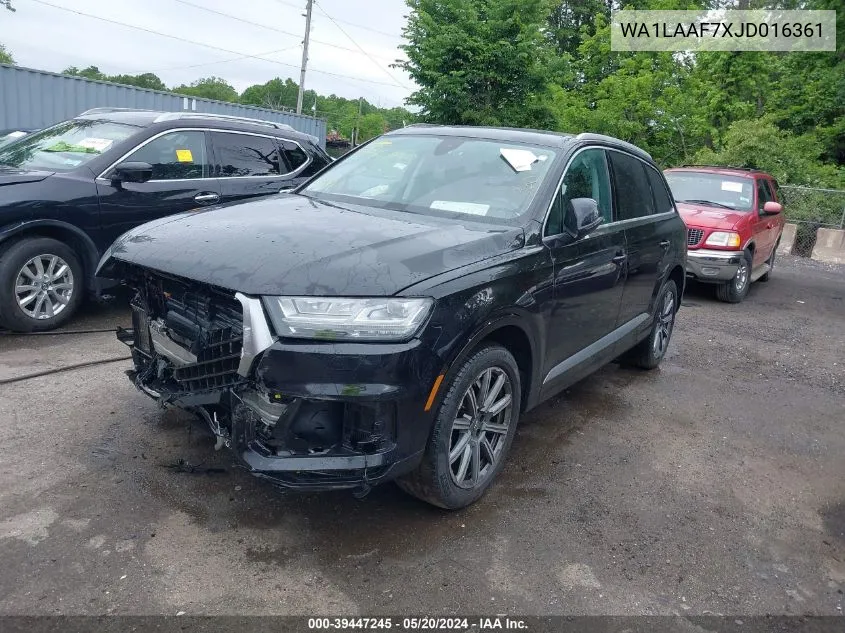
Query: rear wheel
{"type": "Point", "coordinates": [648, 353]}
{"type": "Point", "coordinates": [472, 433]}
{"type": "Point", "coordinates": [41, 284]}
{"type": "Point", "coordinates": [735, 290]}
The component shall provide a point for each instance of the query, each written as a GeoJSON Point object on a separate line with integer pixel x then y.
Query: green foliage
{"type": "Point", "coordinates": [145, 80]}
{"type": "Point", "coordinates": [506, 62]}
{"type": "Point", "coordinates": [6, 56]}
{"type": "Point", "coordinates": [479, 62]}
{"type": "Point", "coordinates": [340, 113]}
{"type": "Point", "coordinates": [760, 144]}
{"type": "Point", "coordinates": [215, 88]}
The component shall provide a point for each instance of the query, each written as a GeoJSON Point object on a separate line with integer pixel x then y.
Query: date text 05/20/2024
{"type": "Point", "coordinates": [492, 623]}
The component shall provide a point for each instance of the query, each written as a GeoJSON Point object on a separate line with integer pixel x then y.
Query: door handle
{"type": "Point", "coordinates": [769, 226]}
{"type": "Point", "coordinates": [619, 257]}
{"type": "Point", "coordinates": [207, 198]}
{"type": "Point", "coordinates": [665, 245]}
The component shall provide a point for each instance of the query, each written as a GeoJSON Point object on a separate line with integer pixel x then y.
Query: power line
{"type": "Point", "coordinates": [357, 26]}
{"type": "Point", "coordinates": [210, 46]}
{"type": "Point", "coordinates": [263, 26]}
{"type": "Point", "coordinates": [349, 37]}
{"type": "Point", "coordinates": [224, 61]}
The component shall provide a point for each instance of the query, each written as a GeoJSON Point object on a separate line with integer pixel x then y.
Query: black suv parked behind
{"type": "Point", "coordinates": [393, 317]}
{"type": "Point", "coordinates": [68, 191]}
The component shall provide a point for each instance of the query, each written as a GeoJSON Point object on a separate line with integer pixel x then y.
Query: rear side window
{"type": "Point", "coordinates": [662, 200]}
{"type": "Point", "coordinates": [295, 156]}
{"type": "Point", "coordinates": [586, 177]}
{"type": "Point", "coordinates": [773, 189]}
{"type": "Point", "coordinates": [763, 194]}
{"type": "Point", "coordinates": [633, 193]}
{"type": "Point", "coordinates": [177, 155]}
{"type": "Point", "coordinates": [240, 155]}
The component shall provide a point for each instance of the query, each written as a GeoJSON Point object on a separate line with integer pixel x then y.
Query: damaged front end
{"type": "Point", "coordinates": [195, 346]}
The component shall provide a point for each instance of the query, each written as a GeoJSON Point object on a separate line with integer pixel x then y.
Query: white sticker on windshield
{"type": "Point", "coordinates": [728, 185]}
{"type": "Point", "coordinates": [461, 207]}
{"type": "Point", "coordinates": [519, 159]}
{"type": "Point", "coordinates": [99, 144]}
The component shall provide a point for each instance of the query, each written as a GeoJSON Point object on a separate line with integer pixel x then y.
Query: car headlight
{"type": "Point", "coordinates": [348, 318]}
{"type": "Point", "coordinates": [723, 238]}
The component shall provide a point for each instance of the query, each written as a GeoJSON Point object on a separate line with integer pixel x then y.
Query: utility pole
{"type": "Point", "coordinates": [356, 134]}
{"type": "Point", "coordinates": [304, 56]}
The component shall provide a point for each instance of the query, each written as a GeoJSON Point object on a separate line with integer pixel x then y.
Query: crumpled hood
{"type": "Point", "coordinates": [706, 217]}
{"type": "Point", "coordinates": [9, 176]}
{"type": "Point", "coordinates": [293, 245]}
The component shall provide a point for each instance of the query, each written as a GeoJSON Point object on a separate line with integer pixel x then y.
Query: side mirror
{"type": "Point", "coordinates": [131, 171]}
{"type": "Point", "coordinates": [585, 212]}
{"type": "Point", "coordinates": [772, 207]}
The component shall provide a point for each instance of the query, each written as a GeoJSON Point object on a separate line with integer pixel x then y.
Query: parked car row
{"type": "Point", "coordinates": [387, 316]}
{"type": "Point", "coordinates": [67, 192]}
{"type": "Point", "coordinates": [734, 223]}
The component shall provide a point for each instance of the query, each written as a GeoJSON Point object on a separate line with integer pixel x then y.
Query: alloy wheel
{"type": "Point", "coordinates": [44, 286]}
{"type": "Point", "coordinates": [665, 321]}
{"type": "Point", "coordinates": [480, 428]}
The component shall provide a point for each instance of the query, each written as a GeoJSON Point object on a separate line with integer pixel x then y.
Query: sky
{"type": "Point", "coordinates": [49, 38]}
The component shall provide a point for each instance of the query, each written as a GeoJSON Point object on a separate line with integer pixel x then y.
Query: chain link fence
{"type": "Point", "coordinates": [811, 209]}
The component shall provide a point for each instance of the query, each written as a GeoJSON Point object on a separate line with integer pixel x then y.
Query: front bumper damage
{"type": "Point", "coordinates": [307, 415]}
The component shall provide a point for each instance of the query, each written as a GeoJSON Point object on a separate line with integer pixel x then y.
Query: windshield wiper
{"type": "Point", "coordinates": [708, 202]}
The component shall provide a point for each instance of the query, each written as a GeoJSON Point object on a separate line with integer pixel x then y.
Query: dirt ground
{"type": "Point", "coordinates": [715, 485]}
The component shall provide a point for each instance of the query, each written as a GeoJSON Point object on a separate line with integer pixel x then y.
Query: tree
{"type": "Point", "coordinates": [150, 81]}
{"type": "Point", "coordinates": [478, 61]}
{"type": "Point", "coordinates": [760, 144]}
{"type": "Point", "coordinates": [7, 4]}
{"type": "Point", "coordinates": [276, 94]}
{"type": "Point", "coordinates": [6, 56]}
{"type": "Point", "coordinates": [92, 72]}
{"type": "Point", "coordinates": [209, 88]}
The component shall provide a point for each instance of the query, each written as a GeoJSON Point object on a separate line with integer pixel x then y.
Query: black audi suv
{"type": "Point", "coordinates": [394, 317]}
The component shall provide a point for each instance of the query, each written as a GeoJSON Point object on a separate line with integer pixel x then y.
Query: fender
{"type": "Point", "coordinates": [89, 254]}
{"type": "Point", "coordinates": [492, 323]}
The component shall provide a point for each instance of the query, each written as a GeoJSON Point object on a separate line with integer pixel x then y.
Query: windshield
{"type": "Point", "coordinates": [64, 146]}
{"type": "Point", "coordinates": [439, 175]}
{"type": "Point", "coordinates": [711, 189]}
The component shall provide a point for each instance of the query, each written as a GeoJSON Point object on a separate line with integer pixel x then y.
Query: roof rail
{"type": "Point", "coordinates": [725, 167]}
{"type": "Point", "coordinates": [108, 110]}
{"type": "Point", "coordinates": [175, 116]}
{"type": "Point", "coordinates": [589, 136]}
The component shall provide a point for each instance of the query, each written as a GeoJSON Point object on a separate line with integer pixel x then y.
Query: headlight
{"type": "Point", "coordinates": [723, 238]}
{"type": "Point", "coordinates": [348, 319]}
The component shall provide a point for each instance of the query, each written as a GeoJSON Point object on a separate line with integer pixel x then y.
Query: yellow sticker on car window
{"type": "Point", "coordinates": [184, 156]}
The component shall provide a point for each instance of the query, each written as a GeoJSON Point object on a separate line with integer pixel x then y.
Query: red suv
{"type": "Point", "coordinates": [734, 222]}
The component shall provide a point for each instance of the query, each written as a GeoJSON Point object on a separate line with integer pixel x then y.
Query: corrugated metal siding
{"type": "Point", "coordinates": [36, 99]}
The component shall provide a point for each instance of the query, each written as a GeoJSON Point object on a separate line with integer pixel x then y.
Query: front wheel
{"type": "Point", "coordinates": [472, 433]}
{"type": "Point", "coordinates": [735, 290]}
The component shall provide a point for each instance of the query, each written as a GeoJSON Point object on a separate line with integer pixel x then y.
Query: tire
{"type": "Point", "coordinates": [771, 263]}
{"type": "Point", "coordinates": [63, 289]}
{"type": "Point", "coordinates": [648, 353]}
{"type": "Point", "coordinates": [732, 291]}
{"type": "Point", "coordinates": [449, 484]}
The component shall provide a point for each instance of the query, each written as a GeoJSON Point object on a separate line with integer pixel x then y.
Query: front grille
{"type": "Point", "coordinates": [201, 319]}
{"type": "Point", "coordinates": [217, 363]}
{"type": "Point", "coordinates": [694, 236]}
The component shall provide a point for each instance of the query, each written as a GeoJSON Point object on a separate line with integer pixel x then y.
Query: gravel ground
{"type": "Point", "coordinates": [715, 485]}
